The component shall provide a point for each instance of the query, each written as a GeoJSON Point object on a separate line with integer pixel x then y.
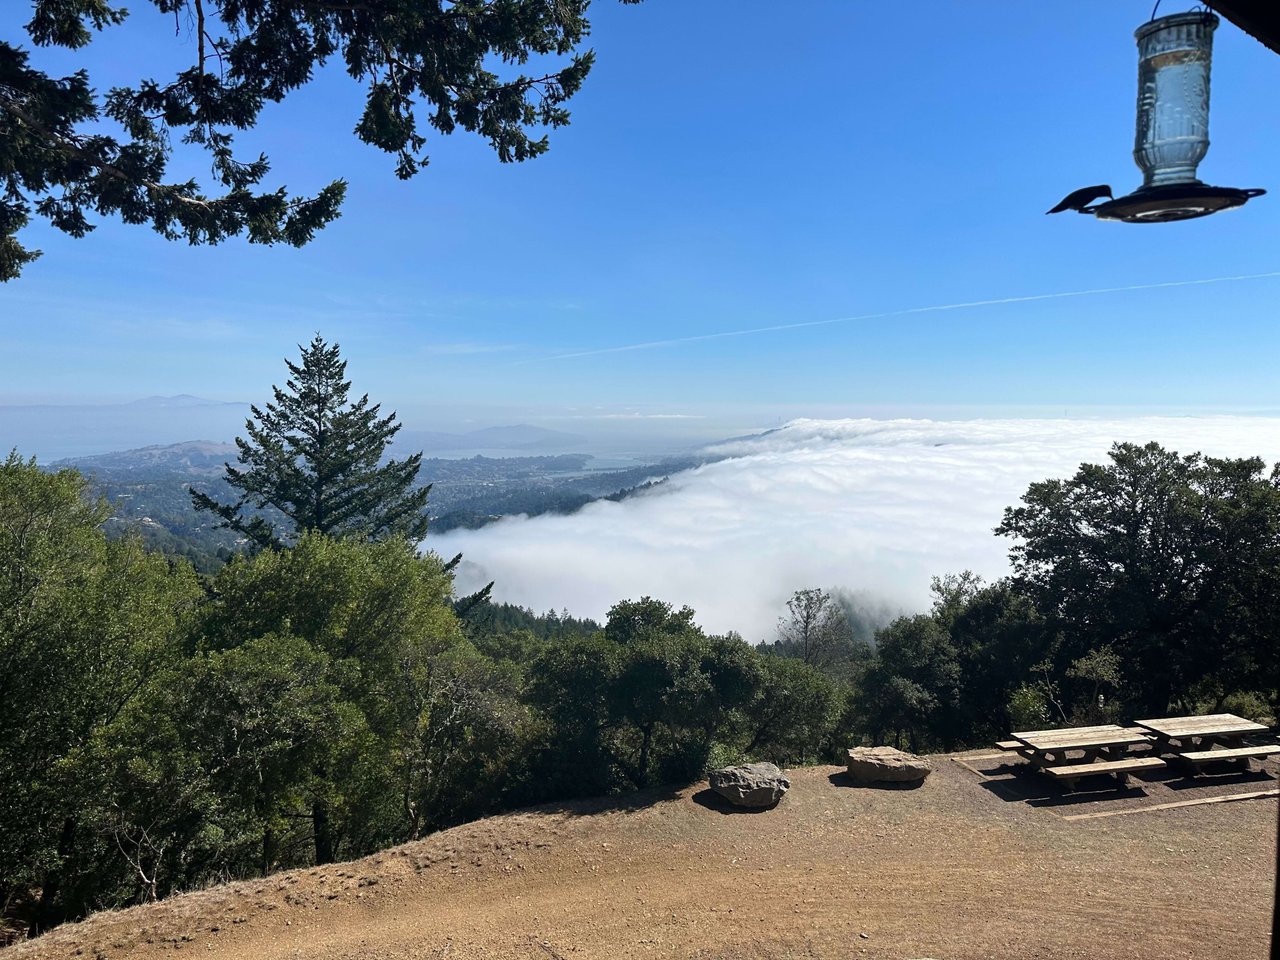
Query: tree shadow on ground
{"type": "Point", "coordinates": [713, 801]}
{"type": "Point", "coordinates": [842, 779]}
{"type": "Point", "coordinates": [1029, 786]}
{"type": "Point", "coordinates": [1016, 782]}
{"type": "Point", "coordinates": [621, 802]}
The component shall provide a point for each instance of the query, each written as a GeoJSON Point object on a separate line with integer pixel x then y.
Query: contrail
{"type": "Point", "coordinates": [936, 308]}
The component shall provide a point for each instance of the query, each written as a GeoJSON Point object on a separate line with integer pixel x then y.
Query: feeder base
{"type": "Point", "coordinates": [1174, 201]}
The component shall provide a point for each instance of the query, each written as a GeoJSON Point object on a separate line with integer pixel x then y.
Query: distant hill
{"type": "Point", "coordinates": [148, 487]}
{"type": "Point", "coordinates": [194, 457]}
{"type": "Point", "coordinates": [60, 432]}
{"type": "Point", "coordinates": [148, 491]}
{"type": "Point", "coordinates": [52, 432]}
{"type": "Point", "coordinates": [182, 400]}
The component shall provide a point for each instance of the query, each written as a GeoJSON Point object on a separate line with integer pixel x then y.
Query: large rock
{"type": "Point", "coordinates": [886, 765]}
{"type": "Point", "coordinates": [753, 785]}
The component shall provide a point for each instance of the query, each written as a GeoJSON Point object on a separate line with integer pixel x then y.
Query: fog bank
{"type": "Point", "coordinates": [876, 506]}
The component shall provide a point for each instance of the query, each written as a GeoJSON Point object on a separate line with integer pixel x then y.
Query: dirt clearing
{"type": "Point", "coordinates": [965, 866]}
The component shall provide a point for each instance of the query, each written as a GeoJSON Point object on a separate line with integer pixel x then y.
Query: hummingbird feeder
{"type": "Point", "coordinates": [1174, 55]}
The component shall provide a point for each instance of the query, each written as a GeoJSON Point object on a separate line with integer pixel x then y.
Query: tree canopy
{"type": "Point", "coordinates": [324, 700]}
{"type": "Point", "coordinates": [316, 460]}
{"type": "Point", "coordinates": [67, 152]}
{"type": "Point", "coordinates": [1173, 561]}
{"type": "Point", "coordinates": [86, 626]}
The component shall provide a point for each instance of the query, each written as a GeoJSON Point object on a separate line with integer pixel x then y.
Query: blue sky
{"type": "Point", "coordinates": [727, 168]}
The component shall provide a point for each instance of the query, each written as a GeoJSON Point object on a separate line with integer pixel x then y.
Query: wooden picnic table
{"type": "Point", "coordinates": [1103, 750]}
{"type": "Point", "coordinates": [1213, 738]}
{"type": "Point", "coordinates": [1218, 728]}
{"type": "Point", "coordinates": [1047, 747]}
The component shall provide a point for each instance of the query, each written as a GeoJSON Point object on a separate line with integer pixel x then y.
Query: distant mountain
{"type": "Point", "coordinates": [181, 400]}
{"type": "Point", "coordinates": [50, 431]}
{"type": "Point", "coordinates": [522, 436]}
{"type": "Point", "coordinates": [194, 457]}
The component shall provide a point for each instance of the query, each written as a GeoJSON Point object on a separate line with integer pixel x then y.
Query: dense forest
{"type": "Point", "coordinates": [324, 693]}
{"type": "Point", "coordinates": [324, 700]}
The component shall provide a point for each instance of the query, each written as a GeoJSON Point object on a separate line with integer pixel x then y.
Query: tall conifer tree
{"type": "Point", "coordinates": [317, 459]}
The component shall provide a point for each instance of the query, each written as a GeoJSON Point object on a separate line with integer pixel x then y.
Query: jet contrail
{"type": "Point", "coordinates": [937, 308]}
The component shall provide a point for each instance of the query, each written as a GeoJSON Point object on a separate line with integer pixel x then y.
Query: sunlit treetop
{"type": "Point", "coordinates": [424, 63]}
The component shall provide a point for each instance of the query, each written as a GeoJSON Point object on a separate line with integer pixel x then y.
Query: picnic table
{"type": "Point", "coordinates": [1208, 739]}
{"type": "Point", "coordinates": [1047, 747]}
{"type": "Point", "coordinates": [1103, 750]}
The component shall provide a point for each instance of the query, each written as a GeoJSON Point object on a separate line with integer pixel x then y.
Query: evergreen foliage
{"type": "Point", "coordinates": [67, 153]}
{"type": "Point", "coordinates": [315, 460]}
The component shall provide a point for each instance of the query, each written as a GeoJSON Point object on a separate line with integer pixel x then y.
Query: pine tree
{"type": "Point", "coordinates": [71, 147]}
{"type": "Point", "coordinates": [316, 459]}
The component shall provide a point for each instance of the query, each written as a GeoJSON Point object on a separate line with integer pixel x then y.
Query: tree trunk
{"type": "Point", "coordinates": [268, 849]}
{"type": "Point", "coordinates": [49, 911]}
{"type": "Point", "coordinates": [320, 827]}
{"type": "Point", "coordinates": [643, 780]}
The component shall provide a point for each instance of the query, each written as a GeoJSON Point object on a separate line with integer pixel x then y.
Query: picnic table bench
{"type": "Point", "coordinates": [1120, 769]}
{"type": "Point", "coordinates": [1209, 739]}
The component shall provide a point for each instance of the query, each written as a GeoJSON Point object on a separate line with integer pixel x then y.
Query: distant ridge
{"type": "Point", "coordinates": [182, 400]}
{"type": "Point", "coordinates": [196, 456]}
{"type": "Point", "coordinates": [55, 432]}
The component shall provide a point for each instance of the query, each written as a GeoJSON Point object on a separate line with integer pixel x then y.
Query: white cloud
{"type": "Point", "coordinates": [873, 505]}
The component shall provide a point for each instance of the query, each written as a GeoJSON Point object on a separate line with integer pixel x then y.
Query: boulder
{"type": "Point", "coordinates": [752, 785]}
{"type": "Point", "coordinates": [886, 765]}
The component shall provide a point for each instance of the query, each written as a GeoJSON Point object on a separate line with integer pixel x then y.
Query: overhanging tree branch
{"type": "Point", "coordinates": [409, 52]}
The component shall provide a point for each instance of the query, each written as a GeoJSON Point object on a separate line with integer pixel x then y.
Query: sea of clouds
{"type": "Point", "coordinates": [877, 507]}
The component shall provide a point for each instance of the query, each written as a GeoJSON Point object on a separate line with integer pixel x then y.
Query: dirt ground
{"type": "Point", "coordinates": [983, 860]}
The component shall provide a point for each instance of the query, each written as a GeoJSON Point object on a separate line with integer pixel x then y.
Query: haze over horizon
{"type": "Point", "coordinates": [843, 222]}
{"type": "Point", "coordinates": [767, 181]}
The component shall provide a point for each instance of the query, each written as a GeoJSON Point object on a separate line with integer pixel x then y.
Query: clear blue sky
{"type": "Point", "coordinates": [729, 166]}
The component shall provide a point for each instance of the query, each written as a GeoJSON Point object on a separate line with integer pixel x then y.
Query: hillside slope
{"type": "Point", "coordinates": [950, 870]}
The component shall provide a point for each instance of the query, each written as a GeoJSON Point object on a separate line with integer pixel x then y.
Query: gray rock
{"type": "Point", "coordinates": [750, 785]}
{"type": "Point", "coordinates": [886, 765]}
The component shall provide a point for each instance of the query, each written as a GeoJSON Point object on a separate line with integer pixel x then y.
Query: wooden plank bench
{"type": "Point", "coordinates": [1120, 769]}
{"type": "Point", "coordinates": [1198, 758]}
{"type": "Point", "coordinates": [1009, 744]}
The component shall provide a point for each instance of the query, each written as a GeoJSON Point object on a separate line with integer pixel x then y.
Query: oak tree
{"type": "Point", "coordinates": [1171, 562]}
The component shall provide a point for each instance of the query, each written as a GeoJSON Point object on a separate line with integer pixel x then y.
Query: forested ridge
{"type": "Point", "coordinates": [324, 700]}
{"type": "Point", "coordinates": [326, 693]}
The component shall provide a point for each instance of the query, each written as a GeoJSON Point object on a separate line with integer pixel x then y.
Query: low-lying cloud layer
{"type": "Point", "coordinates": [877, 506]}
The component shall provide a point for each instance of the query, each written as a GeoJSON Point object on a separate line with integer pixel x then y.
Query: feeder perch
{"type": "Point", "coordinates": [1174, 55]}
